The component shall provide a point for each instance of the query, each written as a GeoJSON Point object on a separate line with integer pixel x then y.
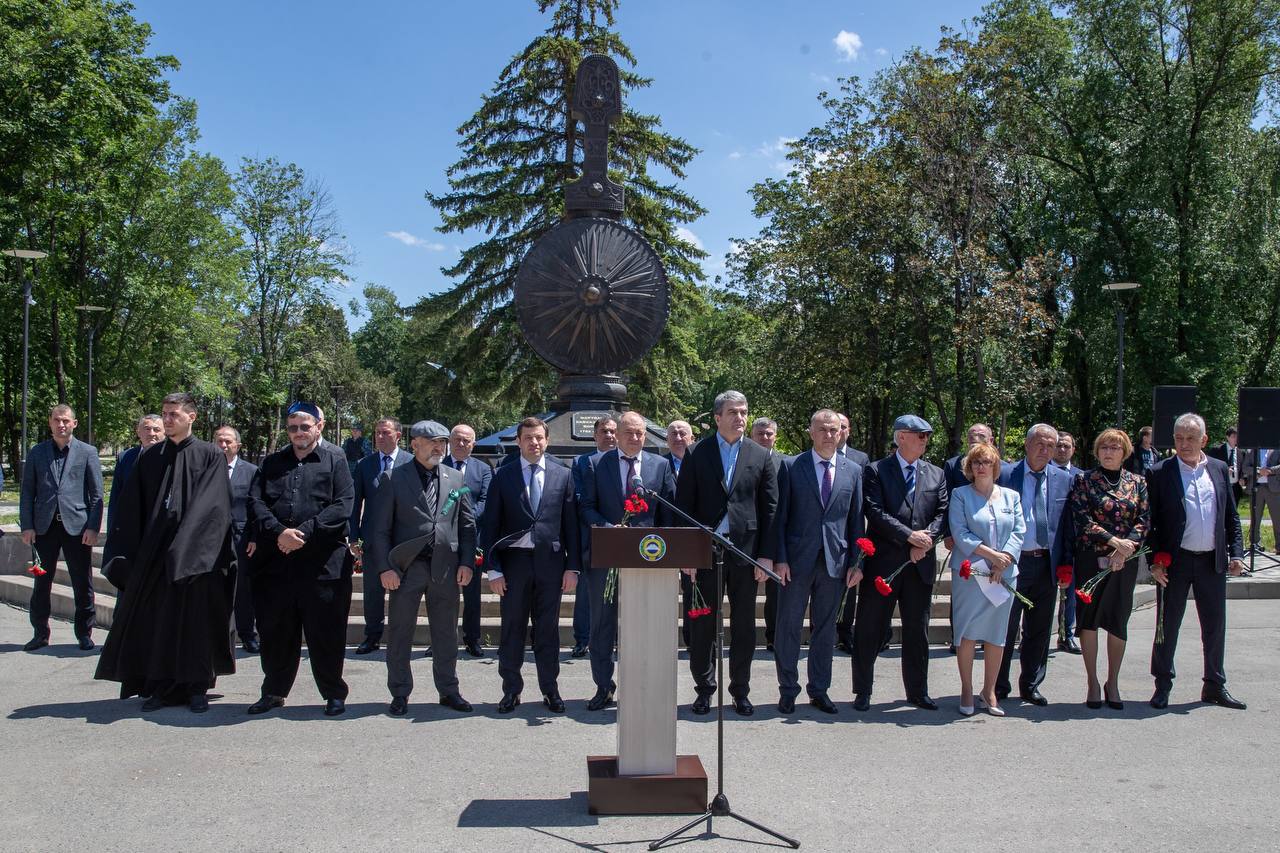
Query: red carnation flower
{"type": "Point", "coordinates": [479, 560]}
{"type": "Point", "coordinates": [1162, 560]}
{"type": "Point", "coordinates": [882, 586]}
{"type": "Point", "coordinates": [966, 570]}
{"type": "Point", "coordinates": [37, 570]}
{"type": "Point", "coordinates": [1084, 596]}
{"type": "Point", "coordinates": [867, 546]}
{"type": "Point", "coordinates": [1065, 573]}
{"type": "Point", "coordinates": [642, 505]}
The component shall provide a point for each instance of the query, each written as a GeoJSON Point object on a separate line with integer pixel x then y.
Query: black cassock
{"type": "Point", "coordinates": [167, 553]}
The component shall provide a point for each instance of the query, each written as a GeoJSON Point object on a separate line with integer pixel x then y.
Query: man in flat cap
{"type": "Point", "coordinates": [906, 503]}
{"type": "Point", "coordinates": [421, 540]}
{"type": "Point", "coordinates": [299, 505]}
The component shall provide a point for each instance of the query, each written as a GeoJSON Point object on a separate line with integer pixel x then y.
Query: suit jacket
{"type": "Point", "coordinates": [399, 518]}
{"type": "Point", "coordinates": [554, 527]}
{"type": "Point", "coordinates": [1223, 453]}
{"type": "Point", "coordinates": [750, 502]}
{"type": "Point", "coordinates": [970, 526]}
{"type": "Point", "coordinates": [855, 455]}
{"type": "Point", "coordinates": [807, 531]}
{"type": "Point", "coordinates": [124, 467]}
{"type": "Point", "coordinates": [890, 519]}
{"type": "Point", "coordinates": [477, 477]}
{"type": "Point", "coordinates": [78, 497]}
{"type": "Point", "coordinates": [365, 479]}
{"type": "Point", "coordinates": [602, 492]}
{"type": "Point", "coordinates": [1169, 512]}
{"type": "Point", "coordinates": [666, 454]}
{"type": "Point", "coordinates": [953, 470]}
{"type": "Point", "coordinates": [239, 482]}
{"type": "Point", "coordinates": [1249, 469]}
{"type": "Point", "coordinates": [1057, 493]}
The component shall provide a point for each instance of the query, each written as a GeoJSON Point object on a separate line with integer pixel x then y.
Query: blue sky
{"type": "Point", "coordinates": [366, 97]}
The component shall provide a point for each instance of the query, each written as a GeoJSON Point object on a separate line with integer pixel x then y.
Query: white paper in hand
{"type": "Point", "coordinates": [996, 593]}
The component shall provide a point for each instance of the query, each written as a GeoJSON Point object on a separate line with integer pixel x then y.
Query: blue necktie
{"type": "Point", "coordinates": [535, 490]}
{"type": "Point", "coordinates": [911, 484]}
{"type": "Point", "coordinates": [1041, 510]}
{"type": "Point", "coordinates": [826, 483]}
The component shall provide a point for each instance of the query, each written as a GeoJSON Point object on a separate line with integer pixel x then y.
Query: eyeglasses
{"type": "Point", "coordinates": [980, 463]}
{"type": "Point", "coordinates": [292, 428]}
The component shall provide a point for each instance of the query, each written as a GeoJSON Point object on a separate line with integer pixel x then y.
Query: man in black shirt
{"type": "Point", "coordinates": [299, 505]}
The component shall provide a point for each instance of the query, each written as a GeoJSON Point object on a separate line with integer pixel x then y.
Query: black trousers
{"type": "Point", "coordinates": [79, 567]}
{"type": "Point", "coordinates": [243, 605]}
{"type": "Point", "coordinates": [471, 609]}
{"type": "Point", "coordinates": [686, 599]}
{"type": "Point", "coordinates": [875, 614]}
{"type": "Point", "coordinates": [533, 594]}
{"type": "Point", "coordinates": [375, 605]}
{"type": "Point", "coordinates": [1036, 581]}
{"type": "Point", "coordinates": [740, 586]}
{"type": "Point", "coordinates": [1193, 572]}
{"type": "Point", "coordinates": [290, 608]}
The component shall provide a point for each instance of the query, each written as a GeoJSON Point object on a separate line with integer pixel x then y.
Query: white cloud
{"type": "Point", "coordinates": [779, 146]}
{"type": "Point", "coordinates": [410, 240]}
{"type": "Point", "coordinates": [735, 155]}
{"type": "Point", "coordinates": [820, 78]}
{"type": "Point", "coordinates": [848, 44]}
{"type": "Point", "coordinates": [880, 51]}
{"type": "Point", "coordinates": [688, 236]}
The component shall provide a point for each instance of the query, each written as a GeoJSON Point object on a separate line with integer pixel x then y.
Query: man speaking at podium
{"type": "Point", "coordinates": [728, 484]}
{"type": "Point", "coordinates": [606, 485]}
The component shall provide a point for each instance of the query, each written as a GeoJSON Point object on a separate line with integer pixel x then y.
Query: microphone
{"type": "Point", "coordinates": [637, 486]}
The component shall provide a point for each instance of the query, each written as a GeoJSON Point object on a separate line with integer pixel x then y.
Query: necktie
{"type": "Point", "coordinates": [231, 467]}
{"type": "Point", "coordinates": [826, 483]}
{"type": "Point", "coordinates": [535, 490]}
{"type": "Point", "coordinates": [386, 462]}
{"type": "Point", "coordinates": [1041, 510]}
{"type": "Point", "coordinates": [911, 484]}
{"type": "Point", "coordinates": [631, 473]}
{"type": "Point", "coordinates": [457, 463]}
{"type": "Point", "coordinates": [432, 491]}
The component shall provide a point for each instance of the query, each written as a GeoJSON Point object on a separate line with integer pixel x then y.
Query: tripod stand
{"type": "Point", "coordinates": [719, 806]}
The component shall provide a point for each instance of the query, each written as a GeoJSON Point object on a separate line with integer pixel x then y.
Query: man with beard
{"type": "Point", "coordinates": [299, 506]}
{"type": "Point", "coordinates": [170, 640]}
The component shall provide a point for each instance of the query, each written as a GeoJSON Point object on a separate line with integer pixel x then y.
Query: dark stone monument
{"type": "Point", "coordinates": [591, 295]}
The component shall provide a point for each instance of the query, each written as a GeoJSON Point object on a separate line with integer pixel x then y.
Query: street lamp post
{"type": "Point", "coordinates": [32, 255]}
{"type": "Point", "coordinates": [1117, 287]}
{"type": "Point", "coordinates": [90, 311]}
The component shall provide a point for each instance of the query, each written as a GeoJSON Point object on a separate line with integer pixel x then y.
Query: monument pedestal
{"type": "Point", "coordinates": [610, 792]}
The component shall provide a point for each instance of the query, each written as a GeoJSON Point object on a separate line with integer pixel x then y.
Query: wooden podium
{"type": "Point", "coordinates": [647, 776]}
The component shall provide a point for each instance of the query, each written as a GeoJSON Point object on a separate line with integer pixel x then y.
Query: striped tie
{"type": "Point", "coordinates": [911, 484]}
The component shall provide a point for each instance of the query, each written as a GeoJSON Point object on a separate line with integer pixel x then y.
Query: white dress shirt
{"type": "Point", "coordinates": [1200, 502]}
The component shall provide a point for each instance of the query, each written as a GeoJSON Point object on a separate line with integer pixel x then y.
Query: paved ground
{"type": "Point", "coordinates": [82, 769]}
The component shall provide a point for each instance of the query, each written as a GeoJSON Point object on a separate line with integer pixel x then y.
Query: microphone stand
{"type": "Point", "coordinates": [1255, 524]}
{"type": "Point", "coordinates": [719, 806]}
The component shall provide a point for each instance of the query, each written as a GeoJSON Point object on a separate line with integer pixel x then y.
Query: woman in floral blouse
{"type": "Point", "coordinates": [1111, 515]}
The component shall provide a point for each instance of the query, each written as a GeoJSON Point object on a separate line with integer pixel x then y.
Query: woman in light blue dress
{"type": "Point", "coordinates": [987, 524]}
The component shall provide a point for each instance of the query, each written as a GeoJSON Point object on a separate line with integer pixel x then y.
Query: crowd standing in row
{"type": "Point", "coordinates": [200, 538]}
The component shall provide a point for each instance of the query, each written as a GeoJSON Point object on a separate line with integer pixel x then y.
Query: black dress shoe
{"type": "Point", "coordinates": [823, 703]}
{"type": "Point", "coordinates": [456, 702]}
{"type": "Point", "coordinates": [399, 706]}
{"type": "Point", "coordinates": [427, 653]}
{"type": "Point", "coordinates": [1069, 645]}
{"type": "Point", "coordinates": [787, 705]}
{"type": "Point", "coordinates": [768, 647]}
{"type": "Point", "coordinates": [153, 703]}
{"type": "Point", "coordinates": [742, 705]}
{"type": "Point", "coordinates": [884, 647]}
{"type": "Point", "coordinates": [862, 702]}
{"type": "Point", "coordinates": [367, 646]}
{"type": "Point", "coordinates": [473, 649]}
{"type": "Point", "coordinates": [86, 644]}
{"type": "Point", "coordinates": [603, 699]}
{"type": "Point", "coordinates": [1033, 696]}
{"type": "Point", "coordinates": [1160, 699]}
{"type": "Point", "coordinates": [701, 705]}
{"type": "Point", "coordinates": [334, 707]}
{"type": "Point", "coordinates": [198, 703]}
{"type": "Point", "coordinates": [1220, 696]}
{"type": "Point", "coordinates": [924, 702]}
{"type": "Point", "coordinates": [35, 643]}
{"type": "Point", "coordinates": [251, 646]}
{"type": "Point", "coordinates": [1001, 695]}
{"type": "Point", "coordinates": [845, 646]}
{"type": "Point", "coordinates": [265, 704]}
{"type": "Point", "coordinates": [509, 703]}
{"type": "Point", "coordinates": [579, 651]}
{"type": "Point", "coordinates": [553, 702]}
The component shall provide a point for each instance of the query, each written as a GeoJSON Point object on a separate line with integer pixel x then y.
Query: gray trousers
{"type": "Point", "coordinates": [809, 587]}
{"type": "Point", "coordinates": [402, 619]}
{"type": "Point", "coordinates": [1265, 501]}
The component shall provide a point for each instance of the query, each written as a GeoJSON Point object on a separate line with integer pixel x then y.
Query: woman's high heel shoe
{"type": "Point", "coordinates": [993, 710]}
{"type": "Point", "coordinates": [1093, 704]}
{"type": "Point", "coordinates": [1114, 704]}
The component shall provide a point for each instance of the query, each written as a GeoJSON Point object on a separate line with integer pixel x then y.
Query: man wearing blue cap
{"type": "Point", "coordinates": [906, 505]}
{"type": "Point", "coordinates": [300, 503]}
{"type": "Point", "coordinates": [421, 540]}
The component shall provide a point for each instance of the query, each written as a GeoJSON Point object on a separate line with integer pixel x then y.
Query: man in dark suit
{"type": "Point", "coordinates": [819, 522]}
{"type": "Point", "coordinates": [531, 535]}
{"type": "Point", "coordinates": [239, 479]}
{"type": "Point", "coordinates": [355, 448]}
{"type": "Point", "coordinates": [605, 433]}
{"type": "Point", "coordinates": [764, 432]}
{"type": "Point", "coordinates": [728, 483]}
{"type": "Point", "coordinates": [679, 438]}
{"type": "Point", "coordinates": [476, 475]}
{"type": "Point", "coordinates": [60, 511]}
{"type": "Point", "coordinates": [906, 502]}
{"type": "Point", "coordinates": [1229, 453]}
{"type": "Point", "coordinates": [150, 430]}
{"type": "Point", "coordinates": [368, 476]}
{"type": "Point", "coordinates": [1043, 489]}
{"type": "Point", "coordinates": [1194, 520]}
{"type": "Point", "coordinates": [844, 621]}
{"type": "Point", "coordinates": [422, 541]}
{"type": "Point", "coordinates": [1062, 459]}
{"type": "Point", "coordinates": [605, 487]}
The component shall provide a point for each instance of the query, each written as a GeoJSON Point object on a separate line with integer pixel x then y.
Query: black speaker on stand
{"type": "Point", "coordinates": [1167, 403]}
{"type": "Point", "coordinates": [1259, 427]}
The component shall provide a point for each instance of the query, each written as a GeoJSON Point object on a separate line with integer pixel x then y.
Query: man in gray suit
{"type": "Point", "coordinates": [421, 539]}
{"type": "Point", "coordinates": [819, 522]}
{"type": "Point", "coordinates": [60, 509]}
{"type": "Point", "coordinates": [368, 475]}
{"type": "Point", "coordinates": [1262, 464]}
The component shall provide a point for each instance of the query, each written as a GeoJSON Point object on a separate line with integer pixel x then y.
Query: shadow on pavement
{"type": "Point", "coordinates": [565, 811]}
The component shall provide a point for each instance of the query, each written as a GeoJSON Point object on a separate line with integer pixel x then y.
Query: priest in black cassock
{"type": "Point", "coordinates": [170, 639]}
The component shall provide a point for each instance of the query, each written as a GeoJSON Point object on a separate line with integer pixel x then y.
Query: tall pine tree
{"type": "Point", "coordinates": [518, 152]}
